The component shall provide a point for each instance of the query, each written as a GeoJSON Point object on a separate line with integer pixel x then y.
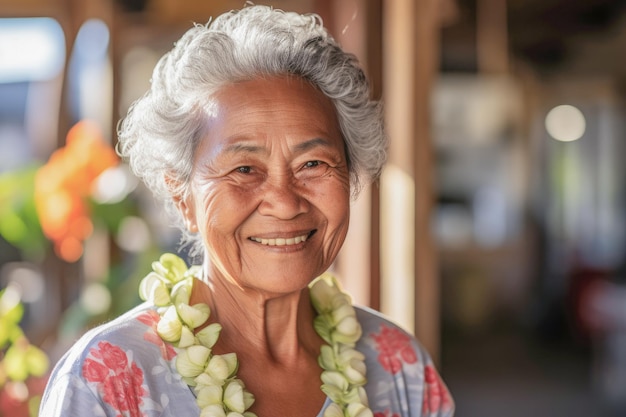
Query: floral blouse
{"type": "Point", "coordinates": [124, 369]}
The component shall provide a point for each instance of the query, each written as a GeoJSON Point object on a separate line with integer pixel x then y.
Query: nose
{"type": "Point", "coordinates": [282, 199]}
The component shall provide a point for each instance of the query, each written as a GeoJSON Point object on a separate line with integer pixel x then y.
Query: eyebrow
{"type": "Point", "coordinates": [243, 147]}
{"type": "Point", "coordinates": [310, 144]}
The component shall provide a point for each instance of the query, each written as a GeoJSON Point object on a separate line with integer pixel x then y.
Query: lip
{"type": "Point", "coordinates": [283, 239]}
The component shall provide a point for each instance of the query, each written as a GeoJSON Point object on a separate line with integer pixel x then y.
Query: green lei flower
{"type": "Point", "coordinates": [213, 378]}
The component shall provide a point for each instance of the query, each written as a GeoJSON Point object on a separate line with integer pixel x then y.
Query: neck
{"type": "Point", "coordinates": [211, 371]}
{"type": "Point", "coordinates": [277, 328]}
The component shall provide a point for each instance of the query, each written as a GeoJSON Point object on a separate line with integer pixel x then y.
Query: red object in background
{"type": "Point", "coordinates": [14, 397]}
{"type": "Point", "coordinates": [598, 304]}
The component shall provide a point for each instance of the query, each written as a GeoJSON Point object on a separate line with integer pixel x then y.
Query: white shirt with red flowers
{"type": "Point", "coordinates": [124, 369]}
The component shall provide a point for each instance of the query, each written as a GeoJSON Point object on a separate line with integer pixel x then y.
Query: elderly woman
{"type": "Point", "coordinates": [257, 131]}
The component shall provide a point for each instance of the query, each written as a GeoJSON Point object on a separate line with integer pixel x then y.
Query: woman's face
{"type": "Point", "coordinates": [270, 186]}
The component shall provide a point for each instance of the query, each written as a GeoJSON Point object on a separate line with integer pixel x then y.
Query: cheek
{"type": "Point", "coordinates": [337, 213]}
{"type": "Point", "coordinates": [343, 217]}
{"type": "Point", "coordinates": [337, 206]}
{"type": "Point", "coordinates": [221, 208]}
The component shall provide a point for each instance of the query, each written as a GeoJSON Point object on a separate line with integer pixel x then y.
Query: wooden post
{"type": "Point", "coordinates": [492, 36]}
{"type": "Point", "coordinates": [410, 45]}
{"type": "Point", "coordinates": [427, 291]}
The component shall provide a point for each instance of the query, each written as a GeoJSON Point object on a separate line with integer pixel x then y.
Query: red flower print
{"type": "Point", "coordinates": [394, 347]}
{"type": "Point", "coordinates": [390, 363]}
{"type": "Point", "coordinates": [112, 356]}
{"type": "Point", "coordinates": [436, 395]}
{"type": "Point", "coordinates": [95, 371]}
{"type": "Point", "coordinates": [386, 413]}
{"type": "Point", "coordinates": [151, 318]}
{"type": "Point", "coordinates": [120, 385]}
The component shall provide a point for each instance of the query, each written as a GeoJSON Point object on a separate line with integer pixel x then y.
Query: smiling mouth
{"type": "Point", "coordinates": [283, 241]}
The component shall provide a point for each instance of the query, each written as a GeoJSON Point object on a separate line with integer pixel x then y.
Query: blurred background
{"type": "Point", "coordinates": [497, 233]}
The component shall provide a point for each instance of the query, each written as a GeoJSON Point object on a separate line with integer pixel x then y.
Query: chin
{"type": "Point", "coordinates": [281, 283]}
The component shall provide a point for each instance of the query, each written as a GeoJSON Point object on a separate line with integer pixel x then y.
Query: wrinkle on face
{"type": "Point", "coordinates": [272, 162]}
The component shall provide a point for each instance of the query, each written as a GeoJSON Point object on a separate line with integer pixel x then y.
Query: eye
{"type": "Point", "coordinates": [243, 170]}
{"type": "Point", "coordinates": [312, 164]}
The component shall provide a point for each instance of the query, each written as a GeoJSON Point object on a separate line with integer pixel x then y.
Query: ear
{"type": "Point", "coordinates": [184, 205]}
{"type": "Point", "coordinates": [186, 209]}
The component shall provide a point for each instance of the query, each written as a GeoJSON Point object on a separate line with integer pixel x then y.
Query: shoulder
{"type": "Point", "coordinates": [402, 378]}
{"type": "Point", "coordinates": [112, 368]}
{"type": "Point", "coordinates": [381, 330]}
{"type": "Point", "coordinates": [128, 340]}
{"type": "Point", "coordinates": [393, 345]}
{"type": "Point", "coordinates": [372, 319]}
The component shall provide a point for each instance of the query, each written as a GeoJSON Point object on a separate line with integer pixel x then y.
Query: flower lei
{"type": "Point", "coordinates": [213, 378]}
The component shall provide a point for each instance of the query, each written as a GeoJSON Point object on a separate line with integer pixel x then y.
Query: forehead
{"type": "Point", "coordinates": [269, 108]}
{"type": "Point", "coordinates": [260, 92]}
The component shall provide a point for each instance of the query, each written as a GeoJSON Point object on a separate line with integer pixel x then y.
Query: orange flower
{"type": "Point", "coordinates": [63, 186]}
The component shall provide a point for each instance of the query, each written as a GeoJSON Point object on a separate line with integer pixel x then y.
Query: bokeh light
{"type": "Point", "coordinates": [565, 123]}
{"type": "Point", "coordinates": [44, 40]}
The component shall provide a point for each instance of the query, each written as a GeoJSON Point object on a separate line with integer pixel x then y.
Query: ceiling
{"type": "Point", "coordinates": [574, 36]}
{"type": "Point", "coordinates": [551, 36]}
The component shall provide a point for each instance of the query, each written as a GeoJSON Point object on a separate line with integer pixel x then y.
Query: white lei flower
{"type": "Point", "coordinates": [213, 378]}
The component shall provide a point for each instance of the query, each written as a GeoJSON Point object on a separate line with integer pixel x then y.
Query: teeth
{"type": "Point", "coordinates": [281, 241]}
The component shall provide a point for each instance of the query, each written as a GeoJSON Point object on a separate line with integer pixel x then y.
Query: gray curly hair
{"type": "Point", "coordinates": [161, 131]}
